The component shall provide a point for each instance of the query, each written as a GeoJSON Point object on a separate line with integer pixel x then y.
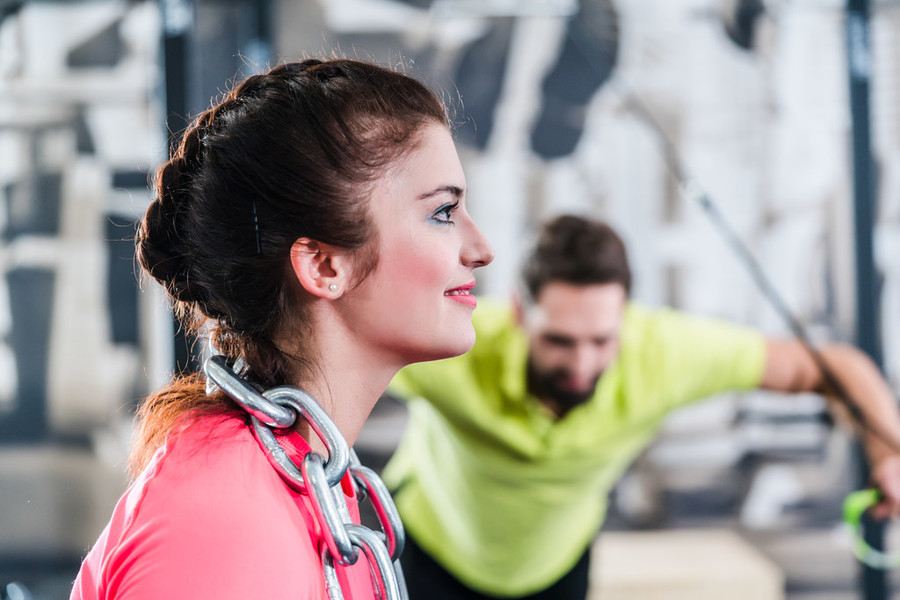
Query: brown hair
{"type": "Point", "coordinates": [289, 153]}
{"type": "Point", "coordinates": [579, 251]}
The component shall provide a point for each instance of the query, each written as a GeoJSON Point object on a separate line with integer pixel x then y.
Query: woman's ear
{"type": "Point", "coordinates": [322, 269]}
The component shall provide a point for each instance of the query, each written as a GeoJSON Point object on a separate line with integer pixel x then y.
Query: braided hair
{"type": "Point", "coordinates": [293, 152]}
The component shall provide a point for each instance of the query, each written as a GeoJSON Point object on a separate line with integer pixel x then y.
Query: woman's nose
{"type": "Point", "coordinates": [478, 252]}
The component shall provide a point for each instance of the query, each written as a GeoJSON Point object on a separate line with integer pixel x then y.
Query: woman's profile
{"type": "Point", "coordinates": [313, 226]}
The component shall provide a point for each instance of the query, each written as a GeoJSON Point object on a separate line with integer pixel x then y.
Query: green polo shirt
{"type": "Point", "coordinates": [505, 496]}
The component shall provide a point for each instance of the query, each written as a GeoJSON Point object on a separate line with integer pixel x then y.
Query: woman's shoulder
{"type": "Point", "coordinates": [213, 464]}
{"type": "Point", "coordinates": [209, 505]}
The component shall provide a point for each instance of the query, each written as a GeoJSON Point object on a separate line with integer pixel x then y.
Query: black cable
{"type": "Point", "coordinates": [688, 184]}
{"type": "Point", "coordinates": [690, 187]}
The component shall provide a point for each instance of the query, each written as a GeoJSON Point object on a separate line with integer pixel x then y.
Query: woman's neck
{"type": "Point", "coordinates": [346, 378]}
{"type": "Point", "coordinates": [348, 391]}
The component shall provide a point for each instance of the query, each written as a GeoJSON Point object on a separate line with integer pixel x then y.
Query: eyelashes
{"type": "Point", "coordinates": [444, 213]}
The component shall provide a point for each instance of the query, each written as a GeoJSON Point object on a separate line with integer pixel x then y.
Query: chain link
{"type": "Point", "coordinates": [391, 527]}
{"type": "Point", "coordinates": [320, 479]}
{"type": "Point", "coordinates": [272, 415]}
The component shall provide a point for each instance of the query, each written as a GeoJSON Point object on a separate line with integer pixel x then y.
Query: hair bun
{"type": "Point", "coordinates": [161, 249]}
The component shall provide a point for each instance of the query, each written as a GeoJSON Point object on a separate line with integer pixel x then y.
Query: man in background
{"type": "Point", "coordinates": [503, 473]}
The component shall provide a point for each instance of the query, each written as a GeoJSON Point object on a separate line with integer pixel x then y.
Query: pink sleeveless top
{"type": "Point", "coordinates": [210, 518]}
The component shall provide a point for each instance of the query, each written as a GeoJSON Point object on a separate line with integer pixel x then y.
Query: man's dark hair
{"type": "Point", "coordinates": [578, 251]}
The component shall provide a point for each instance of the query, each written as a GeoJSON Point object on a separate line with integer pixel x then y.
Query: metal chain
{"type": "Point", "coordinates": [320, 478]}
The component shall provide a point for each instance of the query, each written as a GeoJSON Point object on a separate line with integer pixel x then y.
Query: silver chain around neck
{"type": "Point", "coordinates": [320, 478]}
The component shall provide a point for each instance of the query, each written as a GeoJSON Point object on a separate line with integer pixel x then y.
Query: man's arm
{"type": "Point", "coordinates": [789, 367]}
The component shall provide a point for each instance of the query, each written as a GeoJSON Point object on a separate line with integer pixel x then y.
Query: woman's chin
{"type": "Point", "coordinates": [458, 347]}
{"type": "Point", "coordinates": [463, 343]}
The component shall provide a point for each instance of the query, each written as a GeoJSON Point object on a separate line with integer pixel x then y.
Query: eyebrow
{"type": "Point", "coordinates": [455, 191]}
{"type": "Point", "coordinates": [559, 339]}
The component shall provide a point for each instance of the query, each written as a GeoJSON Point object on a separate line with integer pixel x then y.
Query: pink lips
{"type": "Point", "coordinates": [461, 294]}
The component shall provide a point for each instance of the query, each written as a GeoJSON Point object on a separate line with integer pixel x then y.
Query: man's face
{"type": "Point", "coordinates": [573, 333]}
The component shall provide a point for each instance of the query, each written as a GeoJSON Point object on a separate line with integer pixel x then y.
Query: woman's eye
{"type": "Point", "coordinates": [445, 212]}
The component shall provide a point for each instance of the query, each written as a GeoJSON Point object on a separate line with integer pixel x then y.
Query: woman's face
{"type": "Point", "coordinates": [416, 304]}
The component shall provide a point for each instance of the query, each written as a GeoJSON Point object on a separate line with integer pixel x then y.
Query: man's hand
{"type": "Point", "coordinates": [886, 477]}
{"type": "Point", "coordinates": [791, 368]}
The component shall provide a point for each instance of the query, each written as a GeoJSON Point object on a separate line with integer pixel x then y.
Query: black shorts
{"type": "Point", "coordinates": [427, 580]}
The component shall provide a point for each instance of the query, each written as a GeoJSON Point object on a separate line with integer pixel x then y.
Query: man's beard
{"type": "Point", "coordinates": [547, 385]}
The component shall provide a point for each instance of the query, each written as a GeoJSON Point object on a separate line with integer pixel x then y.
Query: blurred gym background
{"type": "Point", "coordinates": [786, 113]}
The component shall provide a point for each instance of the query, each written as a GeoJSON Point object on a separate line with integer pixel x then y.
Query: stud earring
{"type": "Point", "coordinates": [333, 287]}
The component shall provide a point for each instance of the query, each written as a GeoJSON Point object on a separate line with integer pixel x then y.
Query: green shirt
{"type": "Point", "coordinates": [505, 496]}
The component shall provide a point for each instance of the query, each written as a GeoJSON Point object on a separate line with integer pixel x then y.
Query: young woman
{"type": "Point", "coordinates": [313, 224]}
